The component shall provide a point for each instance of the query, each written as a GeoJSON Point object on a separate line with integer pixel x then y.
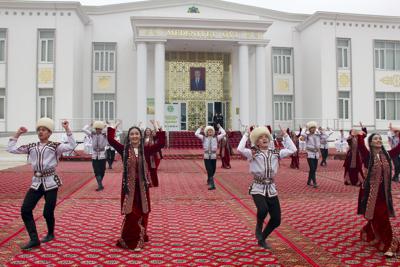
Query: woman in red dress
{"type": "Point", "coordinates": [152, 160]}
{"type": "Point", "coordinates": [135, 198]}
{"type": "Point", "coordinates": [295, 163]}
{"type": "Point", "coordinates": [225, 151]}
{"type": "Point", "coordinates": [353, 174]}
{"type": "Point", "coordinates": [375, 201]}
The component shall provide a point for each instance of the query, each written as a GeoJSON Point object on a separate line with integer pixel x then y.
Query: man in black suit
{"type": "Point", "coordinates": [197, 84]}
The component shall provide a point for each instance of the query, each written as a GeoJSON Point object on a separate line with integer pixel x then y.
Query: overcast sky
{"type": "Point", "coordinates": [379, 7]}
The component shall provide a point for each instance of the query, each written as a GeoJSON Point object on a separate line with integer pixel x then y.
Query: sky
{"type": "Point", "coordinates": [376, 7]}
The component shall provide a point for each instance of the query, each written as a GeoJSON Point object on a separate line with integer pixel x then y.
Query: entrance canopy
{"type": "Point", "coordinates": [199, 34]}
{"type": "Point", "coordinates": [147, 29]}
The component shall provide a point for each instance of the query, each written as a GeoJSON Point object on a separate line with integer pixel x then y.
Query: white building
{"type": "Point", "coordinates": [133, 62]}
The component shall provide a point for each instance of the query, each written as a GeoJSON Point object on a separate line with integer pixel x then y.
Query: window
{"type": "Point", "coordinates": [344, 105]}
{"type": "Point", "coordinates": [343, 53]}
{"type": "Point", "coordinates": [183, 116]}
{"type": "Point", "coordinates": [387, 106]}
{"type": "Point", "coordinates": [387, 55]}
{"type": "Point", "coordinates": [104, 57]}
{"type": "Point", "coordinates": [46, 104]}
{"type": "Point", "coordinates": [2, 46]}
{"type": "Point", "coordinates": [283, 107]}
{"type": "Point", "coordinates": [104, 107]}
{"type": "Point", "coordinates": [282, 60]}
{"type": "Point", "coordinates": [2, 103]}
{"type": "Point", "coordinates": [46, 46]}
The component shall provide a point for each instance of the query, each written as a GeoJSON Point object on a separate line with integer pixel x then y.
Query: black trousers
{"type": "Point", "coordinates": [266, 205]}
{"type": "Point", "coordinates": [99, 167]}
{"type": "Point", "coordinates": [32, 197]}
{"type": "Point", "coordinates": [313, 165]}
{"type": "Point", "coordinates": [396, 163]}
{"type": "Point", "coordinates": [211, 165]}
{"type": "Point", "coordinates": [324, 154]}
{"type": "Point", "coordinates": [110, 156]}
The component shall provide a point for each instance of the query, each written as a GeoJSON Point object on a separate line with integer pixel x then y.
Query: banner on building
{"type": "Point", "coordinates": [171, 119]}
{"type": "Point", "coordinates": [150, 106]}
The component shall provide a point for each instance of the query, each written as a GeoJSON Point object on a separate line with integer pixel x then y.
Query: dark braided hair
{"type": "Point", "coordinates": [126, 156]}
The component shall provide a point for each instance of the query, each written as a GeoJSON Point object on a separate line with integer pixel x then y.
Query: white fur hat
{"type": "Point", "coordinates": [98, 125]}
{"type": "Point", "coordinates": [257, 132]}
{"type": "Point", "coordinates": [45, 122]}
{"type": "Point", "coordinates": [396, 128]}
{"type": "Point", "coordinates": [209, 128]}
{"type": "Point", "coordinates": [311, 124]}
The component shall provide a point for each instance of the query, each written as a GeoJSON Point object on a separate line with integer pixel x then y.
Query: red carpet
{"type": "Point", "coordinates": [189, 225]}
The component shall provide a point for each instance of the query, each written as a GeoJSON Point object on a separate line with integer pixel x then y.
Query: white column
{"type": "Point", "coordinates": [261, 85]}
{"type": "Point", "coordinates": [244, 84]}
{"type": "Point", "coordinates": [141, 83]}
{"type": "Point", "coordinates": [159, 71]}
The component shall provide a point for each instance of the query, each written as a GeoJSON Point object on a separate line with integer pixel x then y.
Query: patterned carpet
{"type": "Point", "coordinates": [189, 225]}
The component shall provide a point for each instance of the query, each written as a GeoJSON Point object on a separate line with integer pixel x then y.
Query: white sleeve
{"type": "Point", "coordinates": [242, 147]}
{"type": "Point", "coordinates": [12, 147]}
{"type": "Point", "coordinates": [86, 130]}
{"type": "Point", "coordinates": [68, 146]}
{"type": "Point", "coordinates": [289, 149]}
{"type": "Point", "coordinates": [222, 134]}
{"type": "Point", "coordinates": [198, 135]}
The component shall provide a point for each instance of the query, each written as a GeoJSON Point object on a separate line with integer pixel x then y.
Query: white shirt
{"type": "Point", "coordinates": [210, 144]}
{"type": "Point", "coordinates": [43, 157]}
{"type": "Point", "coordinates": [313, 144]}
{"type": "Point", "coordinates": [393, 139]}
{"type": "Point", "coordinates": [324, 138]}
{"type": "Point", "coordinates": [258, 164]}
{"type": "Point", "coordinates": [99, 143]}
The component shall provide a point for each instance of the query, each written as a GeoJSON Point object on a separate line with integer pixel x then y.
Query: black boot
{"type": "Point", "coordinates": [264, 244]}
{"type": "Point", "coordinates": [47, 238]}
{"type": "Point", "coordinates": [208, 180]}
{"type": "Point", "coordinates": [34, 242]}
{"type": "Point", "coordinates": [259, 228]}
{"type": "Point", "coordinates": [211, 185]}
{"type": "Point", "coordinates": [99, 183]}
{"type": "Point", "coordinates": [50, 229]}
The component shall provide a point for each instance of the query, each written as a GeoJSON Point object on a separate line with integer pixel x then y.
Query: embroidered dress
{"type": "Point", "coordinates": [135, 204]}
{"type": "Point", "coordinates": [375, 201]}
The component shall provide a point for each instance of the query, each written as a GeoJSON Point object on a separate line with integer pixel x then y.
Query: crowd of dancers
{"type": "Point", "coordinates": [369, 168]}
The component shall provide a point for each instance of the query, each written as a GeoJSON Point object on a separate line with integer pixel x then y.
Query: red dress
{"type": "Point", "coordinates": [135, 204]}
{"type": "Point", "coordinates": [225, 152]}
{"type": "Point", "coordinates": [153, 161]}
{"type": "Point", "coordinates": [295, 163]}
{"type": "Point", "coordinates": [375, 199]}
{"type": "Point", "coordinates": [353, 170]}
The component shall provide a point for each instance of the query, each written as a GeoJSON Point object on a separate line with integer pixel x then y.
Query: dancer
{"type": "Point", "coordinates": [152, 160]}
{"type": "Point", "coordinates": [210, 146]}
{"type": "Point", "coordinates": [264, 163]}
{"type": "Point", "coordinates": [99, 143]}
{"type": "Point", "coordinates": [324, 135]}
{"type": "Point", "coordinates": [313, 144]}
{"type": "Point", "coordinates": [43, 156]}
{"type": "Point", "coordinates": [110, 151]}
{"type": "Point", "coordinates": [295, 163]}
{"type": "Point", "coordinates": [341, 143]}
{"type": "Point", "coordinates": [393, 138]}
{"type": "Point", "coordinates": [225, 151]}
{"type": "Point", "coordinates": [376, 202]}
{"type": "Point", "coordinates": [353, 170]}
{"type": "Point", "coordinates": [87, 145]}
{"type": "Point", "coordinates": [135, 197]}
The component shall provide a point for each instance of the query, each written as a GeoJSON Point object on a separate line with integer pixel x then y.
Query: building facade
{"type": "Point", "coordinates": [136, 62]}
